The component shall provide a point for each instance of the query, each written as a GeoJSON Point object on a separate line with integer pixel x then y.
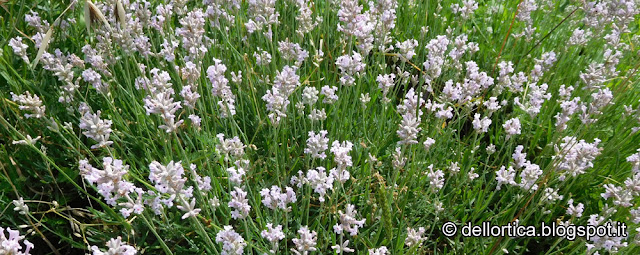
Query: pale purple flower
{"type": "Point", "coordinates": [239, 203]}
{"type": "Point", "coordinates": [575, 210]}
{"type": "Point", "coordinates": [348, 222]}
{"type": "Point", "coordinates": [428, 143]}
{"type": "Point", "coordinates": [230, 147]}
{"type": "Point", "coordinates": [341, 153]}
{"type": "Point", "coordinates": [169, 179]}
{"type": "Point", "coordinates": [115, 246]}
{"type": "Point", "coordinates": [329, 94]}
{"type": "Point", "coordinates": [310, 95]}
{"type": "Point", "coordinates": [341, 248]}
{"type": "Point", "coordinates": [317, 144]}
{"type": "Point", "coordinates": [195, 120]}
{"type": "Point", "coordinates": [414, 237]}
{"type": "Point", "coordinates": [31, 103]}
{"type": "Point", "coordinates": [11, 244]}
{"type": "Point", "coordinates": [319, 181]}
{"type": "Point", "coordinates": [379, 251]}
{"type": "Point", "coordinates": [407, 49]}
{"type": "Point", "coordinates": [481, 125]}
{"type": "Point", "coordinates": [189, 209]}
{"type": "Point", "coordinates": [505, 176]}
{"type": "Point", "coordinates": [95, 128]}
{"type": "Point", "coordinates": [274, 198]}
{"type": "Point", "coordinates": [109, 180]}
{"type": "Point", "coordinates": [19, 48]}
{"type": "Point", "coordinates": [512, 127]}
{"type": "Point", "coordinates": [232, 242]}
{"type": "Point", "coordinates": [350, 66]}
{"type": "Point", "coordinates": [436, 179]}
{"type": "Point", "coordinates": [306, 242]}
{"type": "Point", "coordinates": [575, 156]}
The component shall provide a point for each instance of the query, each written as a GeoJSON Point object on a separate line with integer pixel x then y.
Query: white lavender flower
{"type": "Point", "coordinates": [493, 105]}
{"type": "Point", "coordinates": [232, 242]}
{"type": "Point", "coordinates": [235, 175]}
{"type": "Point", "coordinates": [357, 24]}
{"type": "Point", "coordinates": [230, 147]}
{"type": "Point", "coordinates": [579, 37]}
{"type": "Point", "coordinates": [382, 250]}
{"type": "Point", "coordinates": [341, 248]}
{"type": "Point", "coordinates": [575, 156]}
{"type": "Point", "coordinates": [491, 149]}
{"type": "Point", "coordinates": [512, 127]}
{"type": "Point", "coordinates": [219, 83]}
{"type": "Point", "coordinates": [168, 48]}
{"type": "Point", "coordinates": [317, 115]}
{"type": "Point", "coordinates": [317, 144]}
{"type": "Point", "coordinates": [11, 244]}
{"type": "Point", "coordinates": [190, 96]}
{"type": "Point", "coordinates": [94, 127]}
{"type": "Point", "coordinates": [472, 175]}
{"type": "Point", "coordinates": [481, 125]}
{"type": "Point", "coordinates": [306, 242]}
{"type": "Point", "coordinates": [273, 235]}
{"type": "Point", "coordinates": [20, 206]}
{"type": "Point", "coordinates": [329, 94]}
{"type": "Point", "coordinates": [634, 159]}
{"type": "Point", "coordinates": [195, 120]}
{"type": "Point", "coordinates": [341, 154]}
{"type": "Point", "coordinates": [19, 48]}
{"type": "Point", "coordinates": [110, 180]}
{"type": "Point", "coordinates": [350, 66]}
{"type": "Point", "coordinates": [262, 14]}
{"type": "Point", "coordinates": [284, 83]}
{"type": "Point", "coordinates": [575, 210]}
{"type": "Point", "coordinates": [310, 95]}
{"type": "Point", "coordinates": [385, 83]}
{"type": "Point", "coordinates": [292, 51]}
{"type": "Point", "coordinates": [320, 182]}
{"type": "Point", "coordinates": [407, 49]}
{"type": "Point", "coordinates": [169, 179]}
{"type": "Point", "coordinates": [365, 98]}
{"type": "Point", "coordinates": [162, 103]}
{"type": "Point", "coordinates": [306, 23]}
{"type": "Point", "coordinates": [28, 140]}
{"type": "Point", "coordinates": [505, 176]}
{"type": "Point", "coordinates": [274, 198]}
{"type": "Point", "coordinates": [537, 96]}
{"type": "Point", "coordinates": [550, 195]}
{"type": "Point", "coordinates": [414, 237]}
{"type": "Point", "coordinates": [348, 222]}
{"type": "Point", "coordinates": [239, 203]}
{"type": "Point", "coordinates": [436, 179]}
{"type": "Point", "coordinates": [192, 33]}
{"type": "Point", "coordinates": [31, 103]}
{"type": "Point", "coordinates": [262, 57]}
{"type": "Point", "coordinates": [529, 176]}
{"type": "Point", "coordinates": [466, 10]}
{"type": "Point", "coordinates": [398, 159]}
{"type": "Point", "coordinates": [428, 143]}
{"type": "Point", "coordinates": [189, 209]}
{"type": "Point", "coordinates": [95, 79]}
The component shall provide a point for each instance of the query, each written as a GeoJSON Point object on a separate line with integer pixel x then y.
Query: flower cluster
{"type": "Point", "coordinates": [11, 244]}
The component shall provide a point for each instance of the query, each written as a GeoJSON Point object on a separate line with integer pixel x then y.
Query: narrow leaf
{"type": "Point", "coordinates": [44, 44]}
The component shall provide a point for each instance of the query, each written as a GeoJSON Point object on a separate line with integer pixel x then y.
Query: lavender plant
{"type": "Point", "coordinates": [317, 127]}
